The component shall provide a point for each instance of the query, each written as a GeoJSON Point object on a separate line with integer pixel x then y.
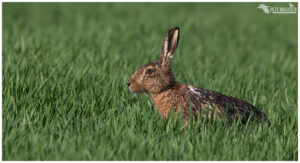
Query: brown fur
{"type": "Point", "coordinates": [157, 80]}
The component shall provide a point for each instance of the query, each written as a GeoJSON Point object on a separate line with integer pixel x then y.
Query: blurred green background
{"type": "Point", "coordinates": [65, 65]}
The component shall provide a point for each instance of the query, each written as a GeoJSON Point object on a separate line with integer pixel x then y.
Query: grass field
{"type": "Point", "coordinates": [65, 65]}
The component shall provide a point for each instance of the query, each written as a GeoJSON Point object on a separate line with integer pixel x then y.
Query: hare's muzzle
{"type": "Point", "coordinates": [128, 83]}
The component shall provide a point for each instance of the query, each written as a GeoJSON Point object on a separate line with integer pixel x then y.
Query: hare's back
{"type": "Point", "coordinates": [234, 108]}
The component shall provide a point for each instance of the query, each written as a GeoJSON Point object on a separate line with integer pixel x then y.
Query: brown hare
{"type": "Point", "coordinates": [156, 79]}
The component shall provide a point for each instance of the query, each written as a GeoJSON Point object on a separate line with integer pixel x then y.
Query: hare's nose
{"type": "Point", "coordinates": [128, 83]}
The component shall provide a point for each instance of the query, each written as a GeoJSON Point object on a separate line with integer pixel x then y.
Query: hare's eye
{"type": "Point", "coordinates": [149, 71]}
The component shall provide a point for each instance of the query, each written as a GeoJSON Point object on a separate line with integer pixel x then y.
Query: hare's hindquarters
{"type": "Point", "coordinates": [233, 108]}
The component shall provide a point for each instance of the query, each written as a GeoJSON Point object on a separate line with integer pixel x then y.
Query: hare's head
{"type": "Point", "coordinates": [155, 77]}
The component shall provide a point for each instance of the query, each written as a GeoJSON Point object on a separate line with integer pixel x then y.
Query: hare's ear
{"type": "Point", "coordinates": [169, 46]}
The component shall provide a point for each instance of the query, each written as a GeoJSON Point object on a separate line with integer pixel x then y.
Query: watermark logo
{"type": "Point", "coordinates": [278, 10]}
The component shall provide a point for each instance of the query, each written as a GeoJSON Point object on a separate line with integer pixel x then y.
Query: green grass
{"type": "Point", "coordinates": [65, 65]}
